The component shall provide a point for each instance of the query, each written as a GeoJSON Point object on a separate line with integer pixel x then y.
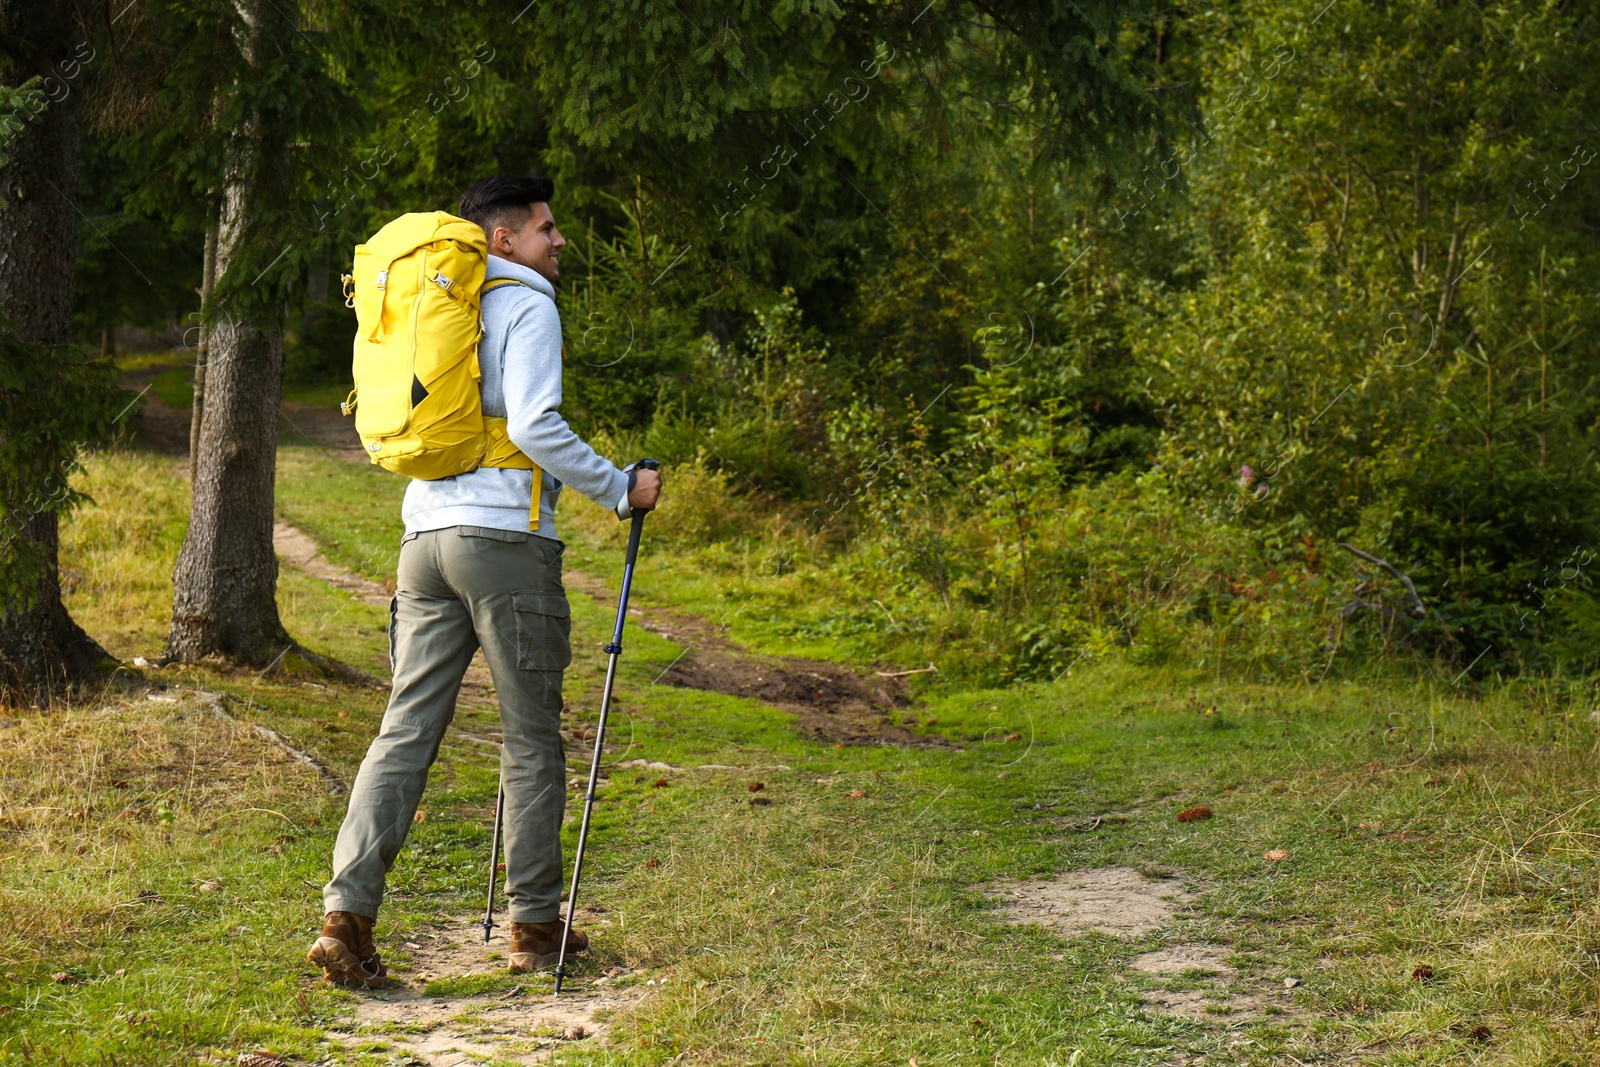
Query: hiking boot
{"type": "Point", "coordinates": [535, 946]}
{"type": "Point", "coordinates": [346, 954]}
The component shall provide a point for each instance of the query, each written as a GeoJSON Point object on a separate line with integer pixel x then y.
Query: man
{"type": "Point", "coordinates": [473, 575]}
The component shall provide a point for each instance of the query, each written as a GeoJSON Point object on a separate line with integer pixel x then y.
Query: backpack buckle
{"type": "Point", "coordinates": [383, 279]}
{"type": "Point", "coordinates": [443, 281]}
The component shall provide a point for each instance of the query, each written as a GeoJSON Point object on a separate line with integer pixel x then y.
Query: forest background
{"type": "Point", "coordinates": [1035, 333]}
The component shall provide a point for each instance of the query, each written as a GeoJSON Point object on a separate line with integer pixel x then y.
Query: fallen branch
{"type": "Point", "coordinates": [336, 785]}
{"type": "Point", "coordinates": [1418, 609]}
{"type": "Point", "coordinates": [929, 669]}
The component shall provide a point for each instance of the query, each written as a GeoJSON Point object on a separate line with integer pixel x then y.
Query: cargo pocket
{"type": "Point", "coordinates": [544, 631]}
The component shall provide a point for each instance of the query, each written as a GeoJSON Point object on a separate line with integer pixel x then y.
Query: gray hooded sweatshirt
{"type": "Point", "coordinates": [520, 357]}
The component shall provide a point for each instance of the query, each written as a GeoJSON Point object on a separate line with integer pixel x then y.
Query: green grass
{"type": "Point", "coordinates": [1426, 826]}
{"type": "Point", "coordinates": [175, 386]}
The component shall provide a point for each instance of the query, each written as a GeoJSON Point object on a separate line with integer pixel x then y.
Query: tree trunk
{"type": "Point", "coordinates": [226, 578]}
{"type": "Point", "coordinates": [208, 281]}
{"type": "Point", "coordinates": [40, 645]}
{"type": "Point", "coordinates": [225, 584]}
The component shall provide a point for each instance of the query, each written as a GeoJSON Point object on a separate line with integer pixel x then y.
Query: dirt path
{"type": "Point", "coordinates": [298, 550]}
{"type": "Point", "coordinates": [421, 1019]}
{"type": "Point", "coordinates": [830, 702]}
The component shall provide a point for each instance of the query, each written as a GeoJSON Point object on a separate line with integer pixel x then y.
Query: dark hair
{"type": "Point", "coordinates": [508, 202]}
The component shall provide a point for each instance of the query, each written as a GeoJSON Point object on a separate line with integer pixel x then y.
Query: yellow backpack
{"type": "Point", "coordinates": [415, 287]}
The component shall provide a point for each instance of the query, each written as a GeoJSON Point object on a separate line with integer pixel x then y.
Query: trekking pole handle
{"type": "Point", "coordinates": [632, 470]}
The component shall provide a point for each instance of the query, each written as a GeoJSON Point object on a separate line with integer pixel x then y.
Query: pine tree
{"type": "Point", "coordinates": [46, 47]}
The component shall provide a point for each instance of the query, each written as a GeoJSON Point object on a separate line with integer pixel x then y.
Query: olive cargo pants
{"type": "Point", "coordinates": [458, 589]}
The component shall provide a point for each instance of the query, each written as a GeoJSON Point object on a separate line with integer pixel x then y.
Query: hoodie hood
{"type": "Point", "coordinates": [504, 268]}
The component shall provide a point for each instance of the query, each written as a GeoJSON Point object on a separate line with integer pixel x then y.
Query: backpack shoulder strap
{"type": "Point", "coordinates": [500, 283]}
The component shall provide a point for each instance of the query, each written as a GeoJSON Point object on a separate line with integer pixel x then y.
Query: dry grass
{"type": "Point", "coordinates": [101, 804]}
{"type": "Point", "coordinates": [118, 551]}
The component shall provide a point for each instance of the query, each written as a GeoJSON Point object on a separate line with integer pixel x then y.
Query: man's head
{"type": "Point", "coordinates": [515, 216]}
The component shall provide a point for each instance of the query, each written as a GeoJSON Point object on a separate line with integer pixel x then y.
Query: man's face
{"type": "Point", "coordinates": [537, 245]}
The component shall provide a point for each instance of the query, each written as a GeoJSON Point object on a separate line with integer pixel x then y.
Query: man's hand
{"type": "Point", "coordinates": [646, 488]}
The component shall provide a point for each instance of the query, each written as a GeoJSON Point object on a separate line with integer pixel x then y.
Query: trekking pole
{"type": "Point", "coordinates": [614, 649]}
{"type": "Point", "coordinates": [494, 860]}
